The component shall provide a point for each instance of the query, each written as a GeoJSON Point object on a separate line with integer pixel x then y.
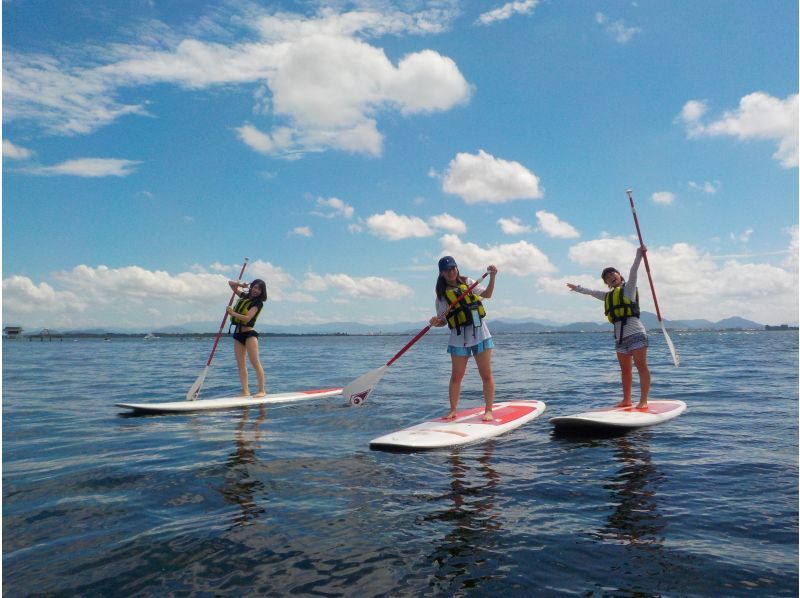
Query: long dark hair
{"type": "Point", "coordinates": [263, 296]}
{"type": "Point", "coordinates": [441, 284]}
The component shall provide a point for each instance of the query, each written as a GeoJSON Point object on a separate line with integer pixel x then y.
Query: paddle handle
{"type": "Point", "coordinates": [424, 331]}
{"type": "Point", "coordinates": [225, 317]}
{"type": "Point", "coordinates": [644, 255]}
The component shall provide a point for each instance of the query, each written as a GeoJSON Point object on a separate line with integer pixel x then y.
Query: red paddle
{"type": "Point", "coordinates": [194, 391]}
{"type": "Point", "coordinates": [359, 389]}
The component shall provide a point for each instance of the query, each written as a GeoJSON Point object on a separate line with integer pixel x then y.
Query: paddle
{"type": "Point", "coordinates": [675, 359]}
{"type": "Point", "coordinates": [360, 388]}
{"type": "Point", "coordinates": [194, 391]}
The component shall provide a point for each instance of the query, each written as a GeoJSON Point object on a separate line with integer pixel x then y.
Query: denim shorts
{"type": "Point", "coordinates": [473, 350]}
{"type": "Point", "coordinates": [631, 343]}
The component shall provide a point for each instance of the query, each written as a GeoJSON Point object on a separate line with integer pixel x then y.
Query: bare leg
{"type": "Point", "coordinates": [239, 350]}
{"type": "Point", "coordinates": [626, 367]}
{"type": "Point", "coordinates": [252, 353]}
{"type": "Point", "coordinates": [640, 359]}
{"type": "Point", "coordinates": [484, 361]}
{"type": "Point", "coordinates": [456, 376]}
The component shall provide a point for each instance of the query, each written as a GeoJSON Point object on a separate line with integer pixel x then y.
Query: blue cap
{"type": "Point", "coordinates": [446, 263]}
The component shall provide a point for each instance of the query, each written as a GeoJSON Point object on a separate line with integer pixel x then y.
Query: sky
{"type": "Point", "coordinates": [149, 146]}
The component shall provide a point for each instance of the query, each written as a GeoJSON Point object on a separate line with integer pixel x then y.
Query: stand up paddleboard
{"type": "Point", "coordinates": [466, 427]}
{"type": "Point", "coordinates": [229, 402]}
{"type": "Point", "coordinates": [620, 419]}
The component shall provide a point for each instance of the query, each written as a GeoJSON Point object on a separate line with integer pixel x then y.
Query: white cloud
{"type": "Point", "coordinates": [484, 178]}
{"type": "Point", "coordinates": [395, 227]}
{"type": "Point", "coordinates": [517, 259]}
{"type": "Point", "coordinates": [15, 152]}
{"type": "Point", "coordinates": [332, 207]}
{"type": "Point", "coordinates": [759, 116]}
{"type": "Point", "coordinates": [742, 237]}
{"type": "Point", "coordinates": [663, 197]}
{"type": "Point", "coordinates": [513, 226]}
{"type": "Point", "coordinates": [87, 167]}
{"type": "Point", "coordinates": [508, 10]}
{"type": "Point", "coordinates": [448, 223]}
{"type": "Point", "coordinates": [618, 30]}
{"type": "Point", "coordinates": [716, 291]}
{"type": "Point", "coordinates": [552, 226]}
{"type": "Point", "coordinates": [353, 287]}
{"type": "Point", "coordinates": [302, 231]}
{"type": "Point", "coordinates": [706, 187]}
{"type": "Point", "coordinates": [316, 78]}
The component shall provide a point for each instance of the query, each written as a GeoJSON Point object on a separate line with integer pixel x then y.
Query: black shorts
{"type": "Point", "coordinates": [243, 336]}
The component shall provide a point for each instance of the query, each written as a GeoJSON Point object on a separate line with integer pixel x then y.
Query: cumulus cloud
{"type": "Point", "coordinates": [448, 223]}
{"type": "Point", "coordinates": [742, 237]}
{"type": "Point", "coordinates": [706, 187]}
{"type": "Point", "coordinates": [393, 226]}
{"type": "Point", "coordinates": [302, 231]}
{"type": "Point", "coordinates": [513, 226]}
{"type": "Point", "coordinates": [552, 226]}
{"type": "Point", "coordinates": [508, 10]}
{"type": "Point", "coordinates": [663, 197]}
{"type": "Point", "coordinates": [333, 207]}
{"type": "Point", "coordinates": [371, 287]}
{"type": "Point", "coordinates": [87, 167]}
{"type": "Point", "coordinates": [482, 178]}
{"type": "Point", "coordinates": [717, 290]}
{"type": "Point", "coordinates": [15, 152]}
{"type": "Point", "coordinates": [517, 259]}
{"type": "Point", "coordinates": [318, 79]}
{"type": "Point", "coordinates": [759, 116]}
{"type": "Point", "coordinates": [618, 30]}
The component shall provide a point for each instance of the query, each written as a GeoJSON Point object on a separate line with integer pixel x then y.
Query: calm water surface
{"type": "Point", "coordinates": [289, 500]}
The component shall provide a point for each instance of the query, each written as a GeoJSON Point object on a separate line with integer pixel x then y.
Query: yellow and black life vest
{"type": "Point", "coordinates": [242, 306]}
{"type": "Point", "coordinates": [618, 307]}
{"type": "Point", "coordinates": [461, 314]}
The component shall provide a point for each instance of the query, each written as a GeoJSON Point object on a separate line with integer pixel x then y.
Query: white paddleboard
{"type": "Point", "coordinates": [229, 402]}
{"type": "Point", "coordinates": [467, 427]}
{"type": "Point", "coordinates": [621, 418]}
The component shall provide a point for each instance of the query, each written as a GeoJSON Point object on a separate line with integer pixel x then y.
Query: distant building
{"type": "Point", "coordinates": [12, 331]}
{"type": "Point", "coordinates": [781, 327]}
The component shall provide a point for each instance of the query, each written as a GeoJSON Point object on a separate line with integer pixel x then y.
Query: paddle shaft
{"type": "Point", "coordinates": [225, 317]}
{"type": "Point", "coordinates": [644, 255]}
{"type": "Point", "coordinates": [424, 331]}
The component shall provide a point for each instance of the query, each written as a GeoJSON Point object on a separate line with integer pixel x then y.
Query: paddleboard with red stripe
{"type": "Point", "coordinates": [229, 402]}
{"type": "Point", "coordinates": [467, 427]}
{"type": "Point", "coordinates": [621, 418]}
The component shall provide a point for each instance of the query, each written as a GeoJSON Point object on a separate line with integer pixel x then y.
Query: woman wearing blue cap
{"type": "Point", "coordinates": [469, 334]}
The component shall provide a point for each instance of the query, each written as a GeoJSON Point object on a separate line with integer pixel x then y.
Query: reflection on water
{"type": "Point", "coordinates": [240, 487]}
{"type": "Point", "coordinates": [636, 519]}
{"type": "Point", "coordinates": [476, 522]}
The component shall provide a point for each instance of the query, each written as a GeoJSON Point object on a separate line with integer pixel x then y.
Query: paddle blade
{"type": "Point", "coordinates": [194, 391]}
{"type": "Point", "coordinates": [675, 358]}
{"type": "Point", "coordinates": [360, 388]}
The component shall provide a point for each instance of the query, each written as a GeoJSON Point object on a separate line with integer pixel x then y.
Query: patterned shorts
{"type": "Point", "coordinates": [631, 343]}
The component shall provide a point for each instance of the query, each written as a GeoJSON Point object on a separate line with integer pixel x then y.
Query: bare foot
{"type": "Point", "coordinates": [488, 417]}
{"type": "Point", "coordinates": [451, 415]}
{"type": "Point", "coordinates": [642, 405]}
{"type": "Point", "coordinates": [625, 404]}
{"type": "Point", "coordinates": [259, 394]}
{"type": "Point", "coordinates": [245, 392]}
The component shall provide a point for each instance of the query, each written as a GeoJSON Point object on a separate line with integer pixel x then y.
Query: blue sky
{"type": "Point", "coordinates": [148, 146]}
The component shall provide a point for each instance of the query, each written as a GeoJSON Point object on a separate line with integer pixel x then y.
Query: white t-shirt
{"type": "Point", "coordinates": [470, 335]}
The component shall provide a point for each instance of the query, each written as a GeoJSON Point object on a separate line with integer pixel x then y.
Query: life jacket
{"type": "Point", "coordinates": [242, 306]}
{"type": "Point", "coordinates": [468, 311]}
{"type": "Point", "coordinates": [619, 308]}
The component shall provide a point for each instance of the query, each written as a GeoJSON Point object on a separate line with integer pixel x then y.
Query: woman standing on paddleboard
{"type": "Point", "coordinates": [245, 339]}
{"type": "Point", "coordinates": [630, 335]}
{"type": "Point", "coordinates": [469, 333]}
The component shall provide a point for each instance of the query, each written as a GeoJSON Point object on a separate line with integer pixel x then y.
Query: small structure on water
{"type": "Point", "coordinates": [12, 331]}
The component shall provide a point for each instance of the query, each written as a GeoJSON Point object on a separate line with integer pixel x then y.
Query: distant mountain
{"type": "Point", "coordinates": [650, 320]}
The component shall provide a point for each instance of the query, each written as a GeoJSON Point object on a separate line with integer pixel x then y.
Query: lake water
{"type": "Point", "coordinates": [290, 500]}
